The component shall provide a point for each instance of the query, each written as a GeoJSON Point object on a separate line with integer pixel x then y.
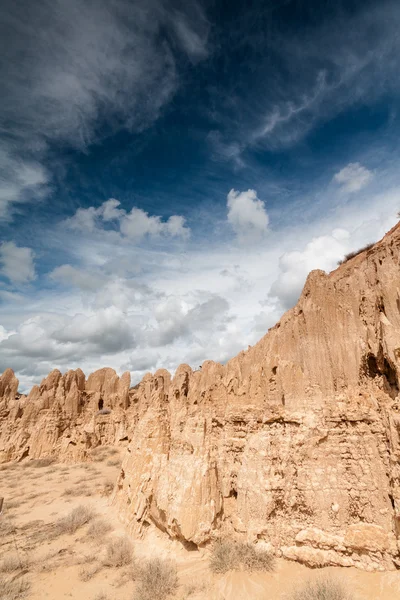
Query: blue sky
{"type": "Point", "coordinates": [171, 171]}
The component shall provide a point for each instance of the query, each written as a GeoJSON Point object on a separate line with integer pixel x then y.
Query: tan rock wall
{"type": "Point", "coordinates": [61, 417]}
{"type": "Point", "coordinates": [294, 442]}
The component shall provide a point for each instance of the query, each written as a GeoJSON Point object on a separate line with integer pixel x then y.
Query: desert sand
{"type": "Point", "coordinates": [56, 564]}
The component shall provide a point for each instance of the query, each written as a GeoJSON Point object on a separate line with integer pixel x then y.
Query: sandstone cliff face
{"type": "Point", "coordinates": [294, 442]}
{"type": "Point", "coordinates": [65, 416]}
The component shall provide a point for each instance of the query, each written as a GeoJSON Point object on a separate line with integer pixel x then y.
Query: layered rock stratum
{"type": "Point", "coordinates": [293, 443]}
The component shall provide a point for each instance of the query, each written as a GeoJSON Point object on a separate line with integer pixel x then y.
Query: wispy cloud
{"type": "Point", "coordinates": [308, 77]}
{"type": "Point", "coordinates": [74, 72]}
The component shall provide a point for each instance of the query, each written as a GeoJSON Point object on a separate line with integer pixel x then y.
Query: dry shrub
{"type": "Point", "coordinates": [14, 589]}
{"type": "Point", "coordinates": [228, 555]}
{"type": "Point", "coordinates": [158, 579]}
{"type": "Point", "coordinates": [14, 562]}
{"type": "Point", "coordinates": [81, 490]}
{"type": "Point", "coordinates": [98, 528]}
{"type": "Point", "coordinates": [88, 572]}
{"type": "Point", "coordinates": [101, 596]}
{"type": "Point", "coordinates": [108, 487]}
{"type": "Point", "coordinates": [351, 255]}
{"type": "Point", "coordinates": [10, 504]}
{"type": "Point", "coordinates": [78, 517]}
{"type": "Point", "coordinates": [119, 553]}
{"type": "Point", "coordinates": [7, 526]}
{"type": "Point", "coordinates": [114, 462]}
{"type": "Point", "coordinates": [324, 588]}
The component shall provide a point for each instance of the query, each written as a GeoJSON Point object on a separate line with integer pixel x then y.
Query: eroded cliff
{"type": "Point", "coordinates": [65, 416]}
{"type": "Point", "coordinates": [293, 443]}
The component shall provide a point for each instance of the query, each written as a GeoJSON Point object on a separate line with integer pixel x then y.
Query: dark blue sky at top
{"type": "Point", "coordinates": [177, 163]}
{"type": "Point", "coordinates": [169, 167]}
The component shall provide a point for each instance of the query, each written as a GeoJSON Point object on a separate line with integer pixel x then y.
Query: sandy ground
{"type": "Point", "coordinates": [44, 560]}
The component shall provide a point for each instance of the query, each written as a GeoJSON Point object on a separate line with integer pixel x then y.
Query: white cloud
{"type": "Point", "coordinates": [109, 62]}
{"type": "Point", "coordinates": [77, 71]}
{"type": "Point", "coordinates": [16, 263]}
{"type": "Point", "coordinates": [148, 306]}
{"type": "Point", "coordinates": [20, 181]}
{"type": "Point", "coordinates": [247, 215]}
{"type": "Point", "coordinates": [325, 70]}
{"type": "Point", "coordinates": [353, 177]}
{"type": "Point", "coordinates": [69, 275]}
{"type": "Point", "coordinates": [135, 225]}
{"type": "Point", "coordinates": [321, 252]}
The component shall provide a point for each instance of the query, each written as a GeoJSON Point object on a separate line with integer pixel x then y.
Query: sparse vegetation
{"type": "Point", "coordinates": [14, 589]}
{"type": "Point", "coordinates": [86, 573]}
{"type": "Point", "coordinates": [158, 579]}
{"type": "Point", "coordinates": [78, 517]}
{"type": "Point", "coordinates": [351, 255]}
{"type": "Point", "coordinates": [228, 555]}
{"type": "Point", "coordinates": [81, 490]}
{"type": "Point", "coordinates": [324, 588]}
{"type": "Point", "coordinates": [101, 596]}
{"type": "Point", "coordinates": [119, 553]}
{"type": "Point", "coordinates": [14, 562]}
{"type": "Point", "coordinates": [108, 487]}
{"type": "Point", "coordinates": [98, 528]}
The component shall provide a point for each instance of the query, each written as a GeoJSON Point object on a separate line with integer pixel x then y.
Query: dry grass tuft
{"type": "Point", "coordinates": [14, 562]}
{"type": "Point", "coordinates": [158, 579]}
{"type": "Point", "coordinates": [98, 528]}
{"type": "Point", "coordinates": [107, 487]}
{"type": "Point", "coordinates": [78, 517]}
{"type": "Point", "coordinates": [351, 255]}
{"type": "Point", "coordinates": [7, 526]}
{"type": "Point", "coordinates": [119, 553]}
{"type": "Point", "coordinates": [101, 596]}
{"type": "Point", "coordinates": [14, 589]}
{"type": "Point", "coordinates": [324, 588]}
{"type": "Point", "coordinates": [228, 555]}
{"type": "Point", "coordinates": [87, 573]}
{"type": "Point", "coordinates": [80, 490]}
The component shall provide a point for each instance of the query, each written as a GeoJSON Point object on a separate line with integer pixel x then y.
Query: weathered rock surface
{"type": "Point", "coordinates": [294, 442]}
{"type": "Point", "coordinates": [65, 416]}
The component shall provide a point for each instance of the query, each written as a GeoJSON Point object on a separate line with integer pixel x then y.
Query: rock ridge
{"type": "Point", "coordinates": [293, 444]}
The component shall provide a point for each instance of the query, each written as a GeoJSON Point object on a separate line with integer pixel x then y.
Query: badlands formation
{"type": "Point", "coordinates": [293, 443]}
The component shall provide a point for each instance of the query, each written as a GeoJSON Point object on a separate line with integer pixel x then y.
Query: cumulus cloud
{"type": "Point", "coordinates": [321, 252]}
{"type": "Point", "coordinates": [16, 263]}
{"type": "Point", "coordinates": [135, 225]}
{"type": "Point", "coordinates": [353, 177]}
{"type": "Point", "coordinates": [247, 215]}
